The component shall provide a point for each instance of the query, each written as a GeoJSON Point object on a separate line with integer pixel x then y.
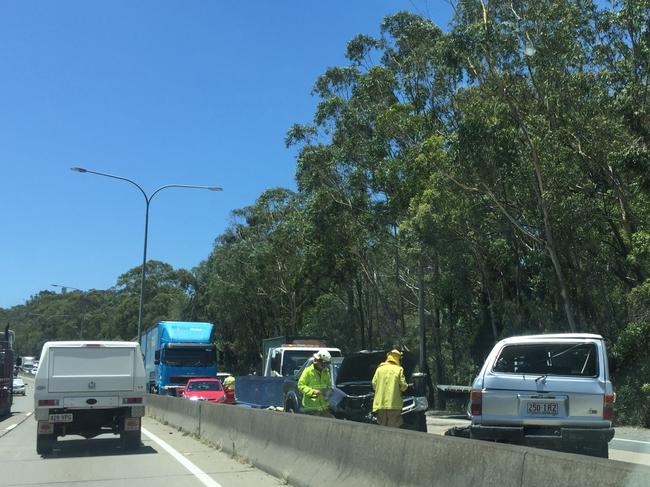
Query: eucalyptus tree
{"type": "Point", "coordinates": [260, 277]}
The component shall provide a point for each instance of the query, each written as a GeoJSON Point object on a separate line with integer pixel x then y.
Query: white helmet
{"type": "Point", "coordinates": [323, 355]}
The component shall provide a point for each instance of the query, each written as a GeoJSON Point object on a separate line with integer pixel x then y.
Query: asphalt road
{"type": "Point", "coordinates": [166, 457]}
{"type": "Point", "coordinates": [629, 444]}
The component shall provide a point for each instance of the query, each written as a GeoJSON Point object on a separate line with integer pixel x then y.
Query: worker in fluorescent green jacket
{"type": "Point", "coordinates": [315, 385]}
{"type": "Point", "coordinates": [389, 383]}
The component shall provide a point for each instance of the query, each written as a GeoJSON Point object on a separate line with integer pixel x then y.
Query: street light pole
{"type": "Point", "coordinates": [147, 199]}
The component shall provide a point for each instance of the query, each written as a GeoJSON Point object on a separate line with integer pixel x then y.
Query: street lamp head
{"type": "Point", "coordinates": [78, 169]}
{"type": "Point", "coordinates": [215, 188]}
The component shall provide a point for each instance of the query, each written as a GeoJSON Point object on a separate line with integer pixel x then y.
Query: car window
{"type": "Point", "coordinates": [572, 359]}
{"type": "Point", "coordinates": [211, 385]}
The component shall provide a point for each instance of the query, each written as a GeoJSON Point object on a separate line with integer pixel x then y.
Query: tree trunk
{"type": "Point", "coordinates": [361, 314]}
{"type": "Point", "coordinates": [398, 286]}
{"type": "Point", "coordinates": [436, 336]}
{"type": "Point", "coordinates": [371, 301]}
{"type": "Point", "coordinates": [485, 285]}
{"type": "Point", "coordinates": [423, 355]}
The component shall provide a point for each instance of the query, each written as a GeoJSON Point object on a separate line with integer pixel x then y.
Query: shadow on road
{"type": "Point", "coordinates": [96, 447]}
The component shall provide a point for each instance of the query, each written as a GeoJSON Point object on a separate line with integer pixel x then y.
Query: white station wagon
{"type": "Point", "coordinates": [550, 391]}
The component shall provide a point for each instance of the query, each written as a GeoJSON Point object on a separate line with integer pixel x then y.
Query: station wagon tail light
{"type": "Point", "coordinates": [48, 402]}
{"type": "Point", "coordinates": [608, 407]}
{"type": "Point", "coordinates": [132, 400]}
{"type": "Point", "coordinates": [476, 398]}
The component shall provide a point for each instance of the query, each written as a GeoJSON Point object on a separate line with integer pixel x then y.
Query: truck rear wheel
{"type": "Point", "coordinates": [130, 440]}
{"type": "Point", "coordinates": [45, 444]}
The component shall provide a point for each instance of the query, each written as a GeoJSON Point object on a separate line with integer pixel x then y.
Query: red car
{"type": "Point", "coordinates": [205, 389]}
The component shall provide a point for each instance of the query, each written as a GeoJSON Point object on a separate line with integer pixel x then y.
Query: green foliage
{"type": "Point", "coordinates": [95, 315]}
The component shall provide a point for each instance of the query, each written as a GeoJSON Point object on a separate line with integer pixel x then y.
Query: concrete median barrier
{"type": "Point", "coordinates": [181, 413]}
{"type": "Point", "coordinates": [309, 451]}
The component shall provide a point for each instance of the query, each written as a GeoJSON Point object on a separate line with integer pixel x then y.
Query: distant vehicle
{"type": "Point", "coordinates": [27, 364]}
{"type": "Point", "coordinates": [19, 387]}
{"type": "Point", "coordinates": [176, 351]}
{"type": "Point", "coordinates": [352, 394]}
{"type": "Point", "coordinates": [7, 363]}
{"type": "Point", "coordinates": [205, 389]}
{"type": "Point", "coordinates": [550, 391]}
{"type": "Point", "coordinates": [89, 388]}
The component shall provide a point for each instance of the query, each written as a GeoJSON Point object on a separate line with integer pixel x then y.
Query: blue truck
{"type": "Point", "coordinates": [176, 351]}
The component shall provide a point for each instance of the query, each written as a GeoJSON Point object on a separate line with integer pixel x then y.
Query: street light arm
{"type": "Point", "coordinates": [209, 188]}
{"type": "Point", "coordinates": [66, 288]}
{"type": "Point", "coordinates": [82, 170]}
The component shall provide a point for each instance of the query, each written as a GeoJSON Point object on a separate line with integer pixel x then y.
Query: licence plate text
{"type": "Point", "coordinates": [542, 408]}
{"type": "Point", "coordinates": [60, 418]}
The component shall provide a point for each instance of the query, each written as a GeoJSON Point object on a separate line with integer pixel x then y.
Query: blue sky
{"type": "Point", "coordinates": [162, 92]}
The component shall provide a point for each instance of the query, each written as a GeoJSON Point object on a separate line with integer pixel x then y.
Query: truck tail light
{"type": "Point", "coordinates": [132, 400]}
{"type": "Point", "coordinates": [476, 399]}
{"type": "Point", "coordinates": [48, 402]}
{"type": "Point", "coordinates": [608, 407]}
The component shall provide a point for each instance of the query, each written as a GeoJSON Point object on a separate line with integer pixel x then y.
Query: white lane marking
{"type": "Point", "coordinates": [633, 441]}
{"type": "Point", "coordinates": [9, 428]}
{"type": "Point", "coordinates": [196, 471]}
{"type": "Point", "coordinates": [28, 414]}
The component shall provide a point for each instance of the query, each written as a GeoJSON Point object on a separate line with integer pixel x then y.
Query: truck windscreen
{"type": "Point", "coordinates": [189, 357]}
{"type": "Point", "coordinates": [293, 360]}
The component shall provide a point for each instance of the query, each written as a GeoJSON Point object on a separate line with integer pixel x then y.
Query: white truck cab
{"type": "Point", "coordinates": [89, 388]}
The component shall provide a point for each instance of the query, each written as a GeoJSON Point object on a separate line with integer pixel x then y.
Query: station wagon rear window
{"type": "Point", "coordinates": [569, 359]}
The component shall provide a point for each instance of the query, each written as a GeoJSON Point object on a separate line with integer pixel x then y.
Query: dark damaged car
{"type": "Point", "coordinates": [352, 395]}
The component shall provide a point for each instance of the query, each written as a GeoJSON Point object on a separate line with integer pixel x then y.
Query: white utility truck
{"type": "Point", "coordinates": [89, 388]}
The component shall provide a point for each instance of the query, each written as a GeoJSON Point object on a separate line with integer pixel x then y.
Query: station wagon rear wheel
{"type": "Point", "coordinates": [600, 450]}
